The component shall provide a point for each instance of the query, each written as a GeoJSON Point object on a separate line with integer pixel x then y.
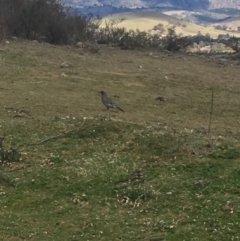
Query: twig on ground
{"type": "Point", "coordinates": [59, 136]}
{"type": "Point", "coordinates": [198, 221]}
{"type": "Point", "coordinates": [19, 168]}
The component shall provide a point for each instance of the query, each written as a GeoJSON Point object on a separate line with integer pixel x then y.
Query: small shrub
{"type": "Point", "coordinates": [140, 39]}
{"type": "Point", "coordinates": [159, 28]}
{"type": "Point", "coordinates": [234, 44]}
{"type": "Point", "coordinates": [174, 42]}
{"type": "Point", "coordinates": [220, 27]}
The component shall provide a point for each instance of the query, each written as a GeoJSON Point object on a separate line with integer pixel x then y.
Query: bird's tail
{"type": "Point", "coordinates": [120, 109]}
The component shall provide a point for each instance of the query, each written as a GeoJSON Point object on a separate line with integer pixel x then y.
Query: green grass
{"type": "Point", "coordinates": [70, 188]}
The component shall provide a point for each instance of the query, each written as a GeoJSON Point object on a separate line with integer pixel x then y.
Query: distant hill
{"type": "Point", "coordinates": [141, 3]}
{"type": "Point", "coordinates": [146, 20]}
{"type": "Point", "coordinates": [175, 4]}
{"type": "Point", "coordinates": [205, 13]}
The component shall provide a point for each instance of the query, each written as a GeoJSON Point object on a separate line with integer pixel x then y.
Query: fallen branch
{"type": "Point", "coordinates": [59, 136]}
{"type": "Point", "coordinates": [19, 168]}
{"type": "Point", "coordinates": [198, 221]}
{"type": "Point", "coordinates": [136, 175]}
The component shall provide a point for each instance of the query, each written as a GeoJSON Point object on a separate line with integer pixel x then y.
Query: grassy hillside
{"type": "Point", "coordinates": [232, 23]}
{"type": "Point", "coordinates": [145, 21]}
{"type": "Point", "coordinates": [77, 186]}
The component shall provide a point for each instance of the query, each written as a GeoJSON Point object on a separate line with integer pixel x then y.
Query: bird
{"type": "Point", "coordinates": [108, 102]}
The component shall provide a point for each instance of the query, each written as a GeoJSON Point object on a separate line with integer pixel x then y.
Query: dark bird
{"type": "Point", "coordinates": [108, 102]}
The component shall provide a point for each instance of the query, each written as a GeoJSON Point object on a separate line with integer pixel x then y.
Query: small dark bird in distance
{"type": "Point", "coordinates": [108, 103]}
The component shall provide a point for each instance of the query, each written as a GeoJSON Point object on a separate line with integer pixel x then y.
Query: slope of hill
{"type": "Point", "coordinates": [151, 173]}
{"type": "Point", "coordinates": [146, 20]}
{"type": "Point", "coordinates": [230, 23]}
{"type": "Point", "coordinates": [199, 17]}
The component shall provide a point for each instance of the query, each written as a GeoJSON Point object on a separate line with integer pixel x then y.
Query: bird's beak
{"type": "Point", "coordinates": [99, 92]}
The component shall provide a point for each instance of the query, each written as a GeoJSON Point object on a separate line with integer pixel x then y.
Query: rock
{"type": "Point", "coordinates": [94, 48]}
{"type": "Point", "coordinates": [161, 98]}
{"type": "Point", "coordinates": [64, 65]}
{"type": "Point", "coordinates": [35, 41]}
{"type": "Point", "coordinates": [223, 60]}
{"type": "Point", "coordinates": [7, 42]}
{"type": "Point", "coordinates": [140, 67]}
{"type": "Point", "coordinates": [79, 45]}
